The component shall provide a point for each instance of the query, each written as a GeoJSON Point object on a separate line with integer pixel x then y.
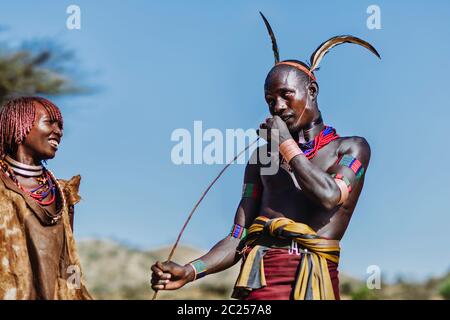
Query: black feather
{"type": "Point", "coordinates": [272, 37]}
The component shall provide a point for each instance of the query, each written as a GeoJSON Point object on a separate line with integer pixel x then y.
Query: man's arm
{"type": "Point", "coordinates": [171, 276]}
{"type": "Point", "coordinates": [333, 188]}
{"type": "Point", "coordinates": [320, 186]}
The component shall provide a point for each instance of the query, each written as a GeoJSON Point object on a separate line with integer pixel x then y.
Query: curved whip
{"type": "Point", "coordinates": [199, 201]}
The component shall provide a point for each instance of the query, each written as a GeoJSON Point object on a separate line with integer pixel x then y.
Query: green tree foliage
{"type": "Point", "coordinates": [38, 67]}
{"type": "Point", "coordinates": [364, 293]}
{"type": "Point", "coordinates": [444, 288]}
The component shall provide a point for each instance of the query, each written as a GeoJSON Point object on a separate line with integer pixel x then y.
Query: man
{"type": "Point", "coordinates": [288, 225]}
{"type": "Point", "coordinates": [38, 257]}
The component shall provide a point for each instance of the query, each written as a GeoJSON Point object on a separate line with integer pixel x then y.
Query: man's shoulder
{"type": "Point", "coordinates": [356, 146]}
{"type": "Point", "coordinates": [354, 142]}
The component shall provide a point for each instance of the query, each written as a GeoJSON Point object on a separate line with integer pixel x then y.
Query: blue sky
{"type": "Point", "coordinates": [162, 65]}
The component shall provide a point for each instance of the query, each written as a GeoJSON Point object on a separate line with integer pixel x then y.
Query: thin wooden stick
{"type": "Point", "coordinates": [198, 203]}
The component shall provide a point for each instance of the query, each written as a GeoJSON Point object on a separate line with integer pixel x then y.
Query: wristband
{"type": "Point", "coordinates": [289, 149]}
{"type": "Point", "coordinates": [199, 269]}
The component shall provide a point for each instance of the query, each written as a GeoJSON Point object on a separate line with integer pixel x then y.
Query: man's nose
{"type": "Point", "coordinates": [280, 106]}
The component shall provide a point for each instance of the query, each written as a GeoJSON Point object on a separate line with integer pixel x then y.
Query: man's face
{"type": "Point", "coordinates": [286, 95]}
{"type": "Point", "coordinates": [43, 140]}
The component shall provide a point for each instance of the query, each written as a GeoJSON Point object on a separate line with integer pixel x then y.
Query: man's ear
{"type": "Point", "coordinates": [313, 90]}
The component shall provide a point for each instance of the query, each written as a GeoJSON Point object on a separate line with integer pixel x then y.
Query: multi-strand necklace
{"type": "Point", "coordinates": [46, 186]}
{"type": "Point", "coordinates": [326, 135]}
{"type": "Point", "coordinates": [310, 148]}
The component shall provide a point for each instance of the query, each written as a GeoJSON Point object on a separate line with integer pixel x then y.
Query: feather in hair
{"type": "Point", "coordinates": [272, 37]}
{"type": "Point", "coordinates": [323, 49]}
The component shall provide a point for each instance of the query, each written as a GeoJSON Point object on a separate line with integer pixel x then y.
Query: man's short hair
{"type": "Point", "coordinates": [301, 75]}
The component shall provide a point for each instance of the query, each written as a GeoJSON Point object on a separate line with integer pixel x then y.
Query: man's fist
{"type": "Point", "coordinates": [170, 276]}
{"type": "Point", "coordinates": [275, 125]}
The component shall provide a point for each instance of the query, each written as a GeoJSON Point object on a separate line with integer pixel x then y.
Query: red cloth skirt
{"type": "Point", "coordinates": [280, 270]}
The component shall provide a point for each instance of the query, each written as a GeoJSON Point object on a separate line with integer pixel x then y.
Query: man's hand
{"type": "Point", "coordinates": [170, 276]}
{"type": "Point", "coordinates": [278, 124]}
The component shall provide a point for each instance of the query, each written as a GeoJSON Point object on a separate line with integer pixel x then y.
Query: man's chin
{"type": "Point", "coordinates": [293, 129]}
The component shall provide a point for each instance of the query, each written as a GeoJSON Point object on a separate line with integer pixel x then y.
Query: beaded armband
{"type": "Point", "coordinates": [251, 190]}
{"type": "Point", "coordinates": [354, 164]}
{"type": "Point", "coordinates": [238, 232]}
{"type": "Point", "coordinates": [199, 269]}
{"type": "Point", "coordinates": [343, 178]}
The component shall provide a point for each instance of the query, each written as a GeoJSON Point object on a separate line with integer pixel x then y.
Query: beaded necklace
{"type": "Point", "coordinates": [310, 149]}
{"type": "Point", "coordinates": [325, 136]}
{"type": "Point", "coordinates": [46, 185]}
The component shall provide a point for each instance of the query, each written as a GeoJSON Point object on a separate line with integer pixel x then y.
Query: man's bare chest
{"type": "Point", "coordinates": [284, 179]}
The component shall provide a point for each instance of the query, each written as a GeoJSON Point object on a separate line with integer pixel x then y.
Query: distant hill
{"type": "Point", "coordinates": [115, 271]}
